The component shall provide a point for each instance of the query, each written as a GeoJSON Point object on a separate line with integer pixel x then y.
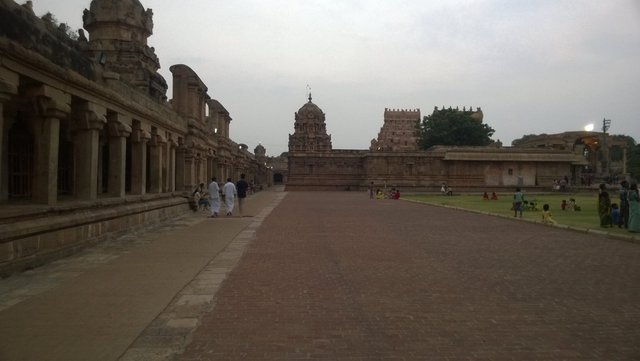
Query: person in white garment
{"type": "Point", "coordinates": [214, 197]}
{"type": "Point", "coordinates": [229, 191]}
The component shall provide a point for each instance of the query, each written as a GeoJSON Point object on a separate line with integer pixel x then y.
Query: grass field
{"type": "Point", "coordinates": [586, 218]}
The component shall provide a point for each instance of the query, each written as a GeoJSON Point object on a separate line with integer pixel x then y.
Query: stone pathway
{"type": "Point", "coordinates": [25, 285]}
{"type": "Point", "coordinates": [332, 276]}
{"type": "Point", "coordinates": [336, 276]}
{"type": "Point", "coordinates": [134, 298]}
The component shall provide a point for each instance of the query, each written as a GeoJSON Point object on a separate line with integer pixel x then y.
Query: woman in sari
{"type": "Point", "coordinates": [604, 207]}
{"type": "Point", "coordinates": [634, 208]}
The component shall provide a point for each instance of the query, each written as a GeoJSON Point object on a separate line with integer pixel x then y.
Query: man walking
{"type": "Point", "coordinates": [241, 187]}
{"type": "Point", "coordinates": [229, 191]}
{"type": "Point", "coordinates": [214, 197]}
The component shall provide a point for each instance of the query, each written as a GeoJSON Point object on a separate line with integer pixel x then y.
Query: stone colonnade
{"type": "Point", "coordinates": [69, 146]}
{"type": "Point", "coordinates": [83, 159]}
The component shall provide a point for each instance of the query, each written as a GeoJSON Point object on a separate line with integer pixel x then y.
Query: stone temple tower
{"type": "Point", "coordinates": [310, 131]}
{"type": "Point", "coordinates": [260, 153]}
{"type": "Point", "coordinates": [398, 133]}
{"type": "Point", "coordinates": [118, 33]}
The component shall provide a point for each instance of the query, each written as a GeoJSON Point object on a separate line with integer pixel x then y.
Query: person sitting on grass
{"type": "Point", "coordinates": [572, 205]}
{"type": "Point", "coordinates": [546, 215]}
{"type": "Point", "coordinates": [494, 196]}
{"type": "Point", "coordinates": [379, 194]}
{"type": "Point", "coordinates": [485, 196]}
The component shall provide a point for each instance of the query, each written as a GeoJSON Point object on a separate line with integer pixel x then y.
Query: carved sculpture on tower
{"type": "Point", "coordinates": [118, 32]}
{"type": "Point", "coordinates": [310, 131]}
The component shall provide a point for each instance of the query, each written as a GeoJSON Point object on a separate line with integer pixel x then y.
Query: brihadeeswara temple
{"type": "Point", "coordinates": [394, 160]}
{"type": "Point", "coordinates": [91, 147]}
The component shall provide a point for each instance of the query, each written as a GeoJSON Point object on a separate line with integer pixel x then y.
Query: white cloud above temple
{"type": "Point", "coordinates": [533, 66]}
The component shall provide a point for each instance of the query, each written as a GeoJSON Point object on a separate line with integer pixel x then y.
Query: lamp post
{"type": "Point", "coordinates": [606, 123]}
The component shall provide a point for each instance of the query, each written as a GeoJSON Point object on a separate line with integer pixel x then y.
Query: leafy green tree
{"type": "Point", "coordinates": [453, 127]}
{"type": "Point", "coordinates": [633, 161]}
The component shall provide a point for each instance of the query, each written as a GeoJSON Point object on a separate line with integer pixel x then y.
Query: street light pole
{"type": "Point", "coordinates": [606, 123]}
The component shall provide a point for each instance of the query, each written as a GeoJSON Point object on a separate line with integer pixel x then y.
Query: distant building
{"type": "Point", "coordinates": [393, 159]}
{"type": "Point", "coordinates": [606, 155]}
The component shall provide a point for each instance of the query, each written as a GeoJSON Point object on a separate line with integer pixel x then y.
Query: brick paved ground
{"type": "Point", "coordinates": [336, 276]}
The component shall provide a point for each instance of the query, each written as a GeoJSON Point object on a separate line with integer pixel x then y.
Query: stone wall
{"type": "Point", "coordinates": [470, 168]}
{"type": "Point", "coordinates": [89, 145]}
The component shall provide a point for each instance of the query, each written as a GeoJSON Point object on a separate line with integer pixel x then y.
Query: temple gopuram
{"type": "Point", "coordinates": [90, 145]}
{"type": "Point", "coordinates": [398, 132]}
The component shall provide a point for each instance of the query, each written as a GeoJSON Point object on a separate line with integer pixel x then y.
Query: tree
{"type": "Point", "coordinates": [633, 161]}
{"type": "Point", "coordinates": [453, 127]}
{"type": "Point", "coordinates": [63, 28]}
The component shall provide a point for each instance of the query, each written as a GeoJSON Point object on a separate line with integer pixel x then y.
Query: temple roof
{"type": "Point", "coordinates": [130, 12]}
{"type": "Point", "coordinates": [310, 111]}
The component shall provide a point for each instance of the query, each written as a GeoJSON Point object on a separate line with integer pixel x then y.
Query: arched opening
{"type": "Point", "coordinates": [278, 178]}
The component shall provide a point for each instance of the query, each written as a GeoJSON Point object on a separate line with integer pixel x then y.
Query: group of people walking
{"type": "Point", "coordinates": [227, 193]}
{"type": "Point", "coordinates": [625, 214]}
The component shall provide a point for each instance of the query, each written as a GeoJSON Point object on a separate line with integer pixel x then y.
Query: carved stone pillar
{"type": "Point", "coordinates": [139, 139]}
{"type": "Point", "coordinates": [8, 87]}
{"type": "Point", "coordinates": [155, 160]}
{"type": "Point", "coordinates": [171, 165]}
{"type": "Point", "coordinates": [180, 166]}
{"type": "Point", "coordinates": [118, 130]}
{"type": "Point", "coordinates": [212, 167]}
{"type": "Point", "coordinates": [50, 105]}
{"type": "Point", "coordinates": [198, 173]}
{"type": "Point", "coordinates": [88, 120]}
{"type": "Point", "coordinates": [222, 171]}
{"type": "Point", "coordinates": [189, 169]}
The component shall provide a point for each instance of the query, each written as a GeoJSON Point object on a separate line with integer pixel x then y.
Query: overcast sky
{"type": "Point", "coordinates": [532, 66]}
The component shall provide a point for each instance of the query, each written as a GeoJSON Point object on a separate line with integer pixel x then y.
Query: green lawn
{"type": "Point", "coordinates": [586, 218]}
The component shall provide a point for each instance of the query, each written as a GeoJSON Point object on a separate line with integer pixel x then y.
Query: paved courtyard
{"type": "Point", "coordinates": [337, 276]}
{"type": "Point", "coordinates": [332, 276]}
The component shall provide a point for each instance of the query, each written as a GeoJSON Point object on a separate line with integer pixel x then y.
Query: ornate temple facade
{"type": "Point", "coordinates": [310, 130]}
{"type": "Point", "coordinates": [398, 132]}
{"type": "Point", "coordinates": [394, 161]}
{"type": "Point", "coordinates": [89, 144]}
